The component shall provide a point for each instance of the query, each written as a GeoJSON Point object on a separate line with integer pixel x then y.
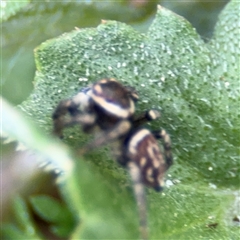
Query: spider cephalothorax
{"type": "Point", "coordinates": [110, 106]}
{"type": "Point", "coordinates": [106, 104]}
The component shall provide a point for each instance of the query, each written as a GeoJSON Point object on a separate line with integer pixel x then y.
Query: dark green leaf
{"type": "Point", "coordinates": [11, 232]}
{"type": "Point", "coordinates": [22, 216]}
{"type": "Point", "coordinates": [50, 209]}
{"type": "Point", "coordinates": [55, 213]}
{"type": "Point", "coordinates": [23, 227]}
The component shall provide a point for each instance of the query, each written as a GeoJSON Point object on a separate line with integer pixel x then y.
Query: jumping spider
{"type": "Point", "coordinates": [110, 106]}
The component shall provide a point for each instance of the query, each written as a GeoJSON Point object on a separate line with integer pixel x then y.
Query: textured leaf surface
{"type": "Point", "coordinates": [171, 68]}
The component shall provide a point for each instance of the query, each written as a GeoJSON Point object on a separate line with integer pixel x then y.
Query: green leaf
{"type": "Point", "coordinates": [171, 68]}
{"type": "Point", "coordinates": [104, 206]}
{"type": "Point", "coordinates": [226, 45]}
{"type": "Point", "coordinates": [49, 208]}
{"type": "Point", "coordinates": [23, 227]}
{"type": "Point", "coordinates": [176, 72]}
{"type": "Point", "coordinates": [9, 8]}
{"type": "Point", "coordinates": [55, 213]}
{"type": "Point", "coordinates": [11, 232]}
{"type": "Point", "coordinates": [22, 215]}
{"type": "Point", "coordinates": [16, 126]}
{"type": "Point", "coordinates": [52, 18]}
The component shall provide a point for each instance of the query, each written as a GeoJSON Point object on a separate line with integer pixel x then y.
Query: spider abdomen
{"type": "Point", "coordinates": [142, 148]}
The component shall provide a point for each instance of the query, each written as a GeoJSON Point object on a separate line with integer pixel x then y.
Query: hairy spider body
{"type": "Point", "coordinates": [141, 147]}
{"type": "Point", "coordinates": [110, 106]}
{"type": "Point", "coordinates": [104, 104]}
{"type": "Point", "coordinates": [113, 98]}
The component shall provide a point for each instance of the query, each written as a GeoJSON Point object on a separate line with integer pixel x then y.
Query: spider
{"type": "Point", "coordinates": [110, 106]}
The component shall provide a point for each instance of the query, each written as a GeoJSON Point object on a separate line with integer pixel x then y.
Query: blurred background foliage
{"type": "Point", "coordinates": [26, 24]}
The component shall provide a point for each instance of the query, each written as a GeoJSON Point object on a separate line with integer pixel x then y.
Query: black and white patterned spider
{"type": "Point", "coordinates": [110, 106]}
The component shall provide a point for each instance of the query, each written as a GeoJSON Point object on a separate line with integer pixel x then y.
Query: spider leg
{"type": "Point", "coordinates": [140, 197]}
{"type": "Point", "coordinates": [109, 135]}
{"type": "Point", "coordinates": [162, 134]}
{"type": "Point", "coordinates": [147, 116]}
{"type": "Point", "coordinates": [60, 119]}
{"type": "Point", "coordinates": [132, 93]}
